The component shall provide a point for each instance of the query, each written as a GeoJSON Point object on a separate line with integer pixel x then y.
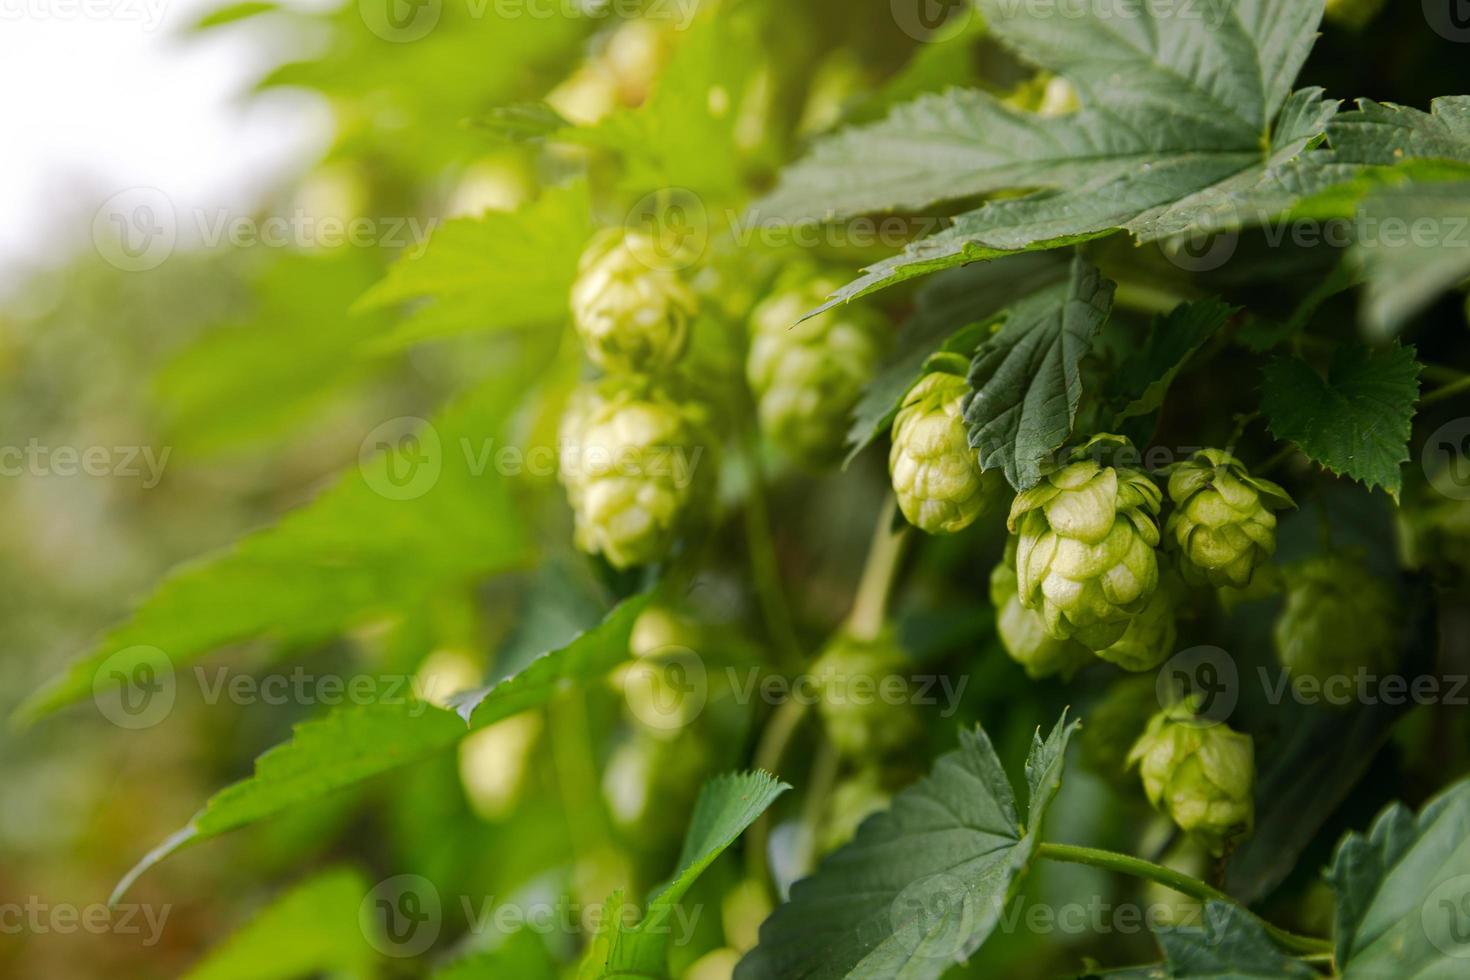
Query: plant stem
{"type": "Point", "coordinates": [1279, 457]}
{"type": "Point", "coordinates": [870, 607]}
{"type": "Point", "coordinates": [764, 568]}
{"type": "Point", "coordinates": [775, 737]}
{"type": "Point", "coordinates": [1447, 391]}
{"type": "Point", "coordinates": [1143, 298]}
{"type": "Point", "coordinates": [1180, 882]}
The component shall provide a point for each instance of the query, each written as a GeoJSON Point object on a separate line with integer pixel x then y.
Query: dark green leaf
{"type": "Point", "coordinates": [1141, 381]}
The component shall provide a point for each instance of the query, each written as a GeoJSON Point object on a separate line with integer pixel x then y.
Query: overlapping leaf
{"type": "Point", "coordinates": [1181, 106]}
{"type": "Point", "coordinates": [923, 884]}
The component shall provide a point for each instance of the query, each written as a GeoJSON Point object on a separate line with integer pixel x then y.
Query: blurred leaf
{"type": "Point", "coordinates": [1229, 945]}
{"type": "Point", "coordinates": [351, 553]}
{"type": "Point", "coordinates": [1260, 335]}
{"type": "Point", "coordinates": [523, 956]}
{"type": "Point", "coordinates": [1183, 93]}
{"type": "Point", "coordinates": [1403, 892]}
{"type": "Point", "coordinates": [949, 304]}
{"type": "Point", "coordinates": [522, 122]}
{"type": "Point", "coordinates": [1027, 380]}
{"type": "Point", "coordinates": [311, 930]}
{"type": "Point", "coordinates": [355, 743]}
{"type": "Point", "coordinates": [493, 272]}
{"type": "Point", "coordinates": [1357, 421]}
{"type": "Point", "coordinates": [923, 883]}
{"type": "Point", "coordinates": [232, 13]}
{"type": "Point", "coordinates": [727, 805]}
{"type": "Point", "coordinates": [1416, 247]}
{"type": "Point", "coordinates": [1142, 381]}
{"type": "Point", "coordinates": [259, 378]}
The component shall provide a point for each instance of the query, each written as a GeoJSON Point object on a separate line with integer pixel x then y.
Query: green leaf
{"type": "Point", "coordinates": [924, 883]}
{"type": "Point", "coordinates": [949, 308]}
{"type": "Point", "coordinates": [1356, 422]}
{"type": "Point", "coordinates": [525, 122]}
{"type": "Point", "coordinates": [1414, 246]}
{"type": "Point", "coordinates": [355, 743]}
{"type": "Point", "coordinates": [494, 272]}
{"type": "Point", "coordinates": [1229, 944]}
{"type": "Point", "coordinates": [1027, 379]}
{"type": "Point", "coordinates": [438, 515]}
{"type": "Point", "coordinates": [311, 930]}
{"type": "Point", "coordinates": [523, 956]}
{"type": "Point", "coordinates": [727, 805]}
{"type": "Point", "coordinates": [1403, 892]}
{"type": "Point", "coordinates": [1179, 112]}
{"type": "Point", "coordinates": [233, 385]}
{"type": "Point", "coordinates": [232, 13]}
{"type": "Point", "coordinates": [1142, 381]}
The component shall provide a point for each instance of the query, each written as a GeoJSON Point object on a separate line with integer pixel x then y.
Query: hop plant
{"type": "Point", "coordinates": [1149, 638]}
{"type": "Point", "coordinates": [631, 312]}
{"type": "Point", "coordinates": [1085, 545]}
{"type": "Point", "coordinates": [807, 376]}
{"type": "Point", "coordinates": [1222, 521]}
{"type": "Point", "coordinates": [936, 475]}
{"type": "Point", "coordinates": [1202, 774]}
{"type": "Point", "coordinates": [850, 673]}
{"type": "Point", "coordinates": [1338, 619]}
{"type": "Point", "coordinates": [631, 465]}
{"type": "Point", "coordinates": [1023, 632]}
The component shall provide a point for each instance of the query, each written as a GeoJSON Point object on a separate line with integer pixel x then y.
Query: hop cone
{"type": "Point", "coordinates": [632, 467]}
{"type": "Point", "coordinates": [1085, 547]}
{"type": "Point", "coordinates": [1202, 775]}
{"type": "Point", "coordinates": [936, 475]}
{"type": "Point", "coordinates": [853, 800]}
{"type": "Point", "coordinates": [1338, 619]}
{"type": "Point", "coordinates": [807, 376]}
{"type": "Point", "coordinates": [1023, 631]}
{"type": "Point", "coordinates": [851, 673]}
{"type": "Point", "coordinates": [631, 313]}
{"type": "Point", "coordinates": [1222, 520]}
{"type": "Point", "coordinates": [1149, 638]}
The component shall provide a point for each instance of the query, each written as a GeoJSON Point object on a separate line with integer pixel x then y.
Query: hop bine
{"type": "Point", "coordinates": [1339, 619]}
{"type": "Point", "coordinates": [859, 680]}
{"type": "Point", "coordinates": [1085, 540]}
{"type": "Point", "coordinates": [1201, 774]}
{"type": "Point", "coordinates": [807, 376]}
{"type": "Point", "coordinates": [1222, 522]}
{"type": "Point", "coordinates": [631, 312]}
{"type": "Point", "coordinates": [632, 467]}
{"type": "Point", "coordinates": [936, 475]}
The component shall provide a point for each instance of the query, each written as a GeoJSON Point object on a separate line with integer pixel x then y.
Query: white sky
{"type": "Point", "coordinates": [100, 96]}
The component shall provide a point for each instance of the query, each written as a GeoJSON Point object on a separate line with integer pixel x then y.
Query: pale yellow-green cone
{"type": "Point", "coordinates": [631, 311]}
{"type": "Point", "coordinates": [853, 800]}
{"type": "Point", "coordinates": [1149, 639]}
{"type": "Point", "coordinates": [1339, 619]}
{"type": "Point", "coordinates": [635, 464]}
{"type": "Point", "coordinates": [807, 376]}
{"type": "Point", "coordinates": [1201, 774]}
{"type": "Point", "coordinates": [1353, 14]}
{"type": "Point", "coordinates": [866, 711]}
{"type": "Point", "coordinates": [1023, 632]}
{"type": "Point", "coordinates": [1222, 522]}
{"type": "Point", "coordinates": [936, 475]}
{"type": "Point", "coordinates": [1085, 548]}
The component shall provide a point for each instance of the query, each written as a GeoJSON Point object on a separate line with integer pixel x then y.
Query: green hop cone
{"type": "Point", "coordinates": [634, 468]}
{"type": "Point", "coordinates": [1149, 639]}
{"type": "Point", "coordinates": [631, 311]}
{"type": "Point", "coordinates": [1085, 540]}
{"type": "Point", "coordinates": [853, 800]}
{"type": "Point", "coordinates": [1023, 632]}
{"type": "Point", "coordinates": [864, 695]}
{"type": "Point", "coordinates": [1200, 773]}
{"type": "Point", "coordinates": [936, 475]}
{"type": "Point", "coordinates": [1339, 619]}
{"type": "Point", "coordinates": [1222, 521]}
{"type": "Point", "coordinates": [807, 376]}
